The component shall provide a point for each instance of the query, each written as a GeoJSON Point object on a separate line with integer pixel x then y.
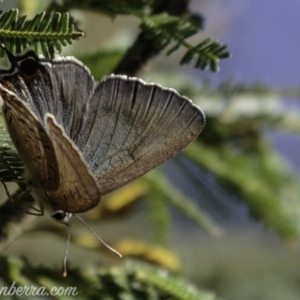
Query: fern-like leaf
{"type": "Point", "coordinates": [44, 31]}
{"type": "Point", "coordinates": [166, 29]}
{"type": "Point", "coordinates": [11, 167]}
{"type": "Point", "coordinates": [162, 29]}
{"type": "Point", "coordinates": [206, 55]}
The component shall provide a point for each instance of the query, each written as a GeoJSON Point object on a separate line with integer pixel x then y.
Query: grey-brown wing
{"type": "Point", "coordinates": [78, 190]}
{"type": "Point", "coordinates": [31, 141]}
{"type": "Point", "coordinates": [132, 127]}
{"type": "Point", "coordinates": [60, 86]}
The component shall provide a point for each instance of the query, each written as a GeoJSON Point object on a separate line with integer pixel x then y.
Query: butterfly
{"type": "Point", "coordinates": [79, 139]}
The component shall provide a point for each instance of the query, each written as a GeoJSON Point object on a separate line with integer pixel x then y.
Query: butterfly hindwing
{"type": "Point", "coordinates": [78, 190]}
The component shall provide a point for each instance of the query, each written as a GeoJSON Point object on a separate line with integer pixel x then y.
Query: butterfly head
{"type": "Point", "coordinates": [62, 217]}
{"type": "Point", "coordinates": [26, 65]}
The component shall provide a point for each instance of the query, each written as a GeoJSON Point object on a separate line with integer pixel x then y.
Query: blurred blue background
{"type": "Point", "coordinates": [263, 37]}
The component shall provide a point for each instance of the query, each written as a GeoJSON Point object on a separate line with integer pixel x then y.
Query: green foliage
{"type": "Point", "coordinates": [234, 148]}
{"type": "Point", "coordinates": [50, 33]}
{"type": "Point", "coordinates": [206, 54]}
{"type": "Point", "coordinates": [11, 167]}
{"type": "Point", "coordinates": [130, 280]}
{"type": "Point", "coordinates": [165, 29]}
{"type": "Point", "coordinates": [187, 206]}
{"type": "Point", "coordinates": [109, 7]}
{"type": "Point", "coordinates": [102, 63]}
{"type": "Point", "coordinates": [266, 184]}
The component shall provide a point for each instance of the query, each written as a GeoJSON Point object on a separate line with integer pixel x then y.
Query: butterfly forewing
{"type": "Point", "coordinates": [133, 127]}
{"type": "Point", "coordinates": [78, 190]}
{"type": "Point", "coordinates": [31, 141]}
{"type": "Point", "coordinates": [71, 86]}
{"type": "Point", "coordinates": [60, 87]}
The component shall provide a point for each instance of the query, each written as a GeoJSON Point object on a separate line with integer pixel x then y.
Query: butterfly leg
{"type": "Point", "coordinates": [7, 191]}
{"type": "Point", "coordinates": [23, 195]}
{"type": "Point", "coordinates": [36, 211]}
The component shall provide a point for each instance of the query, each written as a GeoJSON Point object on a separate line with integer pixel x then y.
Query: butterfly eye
{"type": "Point", "coordinates": [28, 67]}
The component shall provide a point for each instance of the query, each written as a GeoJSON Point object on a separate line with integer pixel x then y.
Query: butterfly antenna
{"type": "Point", "coordinates": [10, 56]}
{"type": "Point", "coordinates": [99, 239]}
{"type": "Point", "coordinates": [64, 273]}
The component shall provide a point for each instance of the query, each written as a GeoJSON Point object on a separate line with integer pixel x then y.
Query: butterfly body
{"type": "Point", "coordinates": [79, 139]}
